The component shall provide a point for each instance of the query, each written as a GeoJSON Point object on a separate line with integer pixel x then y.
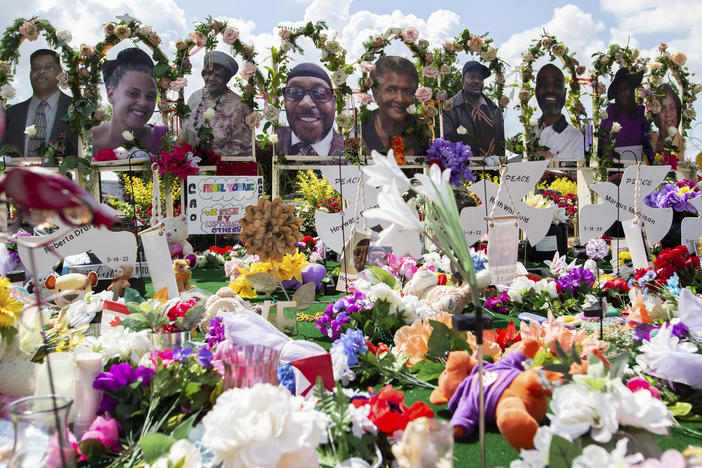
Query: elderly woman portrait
{"type": "Point", "coordinates": [232, 137]}
{"type": "Point", "coordinates": [626, 112]}
{"type": "Point", "coordinates": [395, 81]}
{"type": "Point", "coordinates": [668, 118]}
{"type": "Point", "coordinates": [474, 119]}
{"type": "Point", "coordinates": [132, 92]}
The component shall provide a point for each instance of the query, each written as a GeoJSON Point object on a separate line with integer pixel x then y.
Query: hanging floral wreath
{"type": "Point", "coordinates": [602, 66]}
{"type": "Point", "coordinates": [481, 47]}
{"type": "Point", "coordinates": [653, 89]}
{"type": "Point", "coordinates": [547, 44]}
{"type": "Point", "coordinates": [333, 56]}
{"type": "Point", "coordinates": [204, 36]}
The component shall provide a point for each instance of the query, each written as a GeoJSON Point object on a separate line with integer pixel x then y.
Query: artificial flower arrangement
{"type": "Point", "coordinates": [560, 215]}
{"type": "Point", "coordinates": [315, 194]}
{"type": "Point", "coordinates": [161, 315]}
{"type": "Point", "coordinates": [290, 271]}
{"type": "Point", "coordinates": [669, 262]}
{"type": "Point", "coordinates": [177, 164]}
{"type": "Point", "coordinates": [674, 195]}
{"type": "Point", "coordinates": [132, 148]}
{"type": "Point", "coordinates": [567, 202]}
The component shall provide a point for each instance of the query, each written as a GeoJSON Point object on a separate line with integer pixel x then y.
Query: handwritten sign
{"type": "Point", "coordinates": [620, 202]}
{"type": "Point", "coordinates": [113, 248]}
{"type": "Point", "coordinates": [217, 203]}
{"type": "Point", "coordinates": [520, 178]}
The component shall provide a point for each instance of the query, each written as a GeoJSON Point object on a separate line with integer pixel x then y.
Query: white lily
{"type": "Point", "coordinates": [392, 208]}
{"type": "Point", "coordinates": [434, 187]}
{"type": "Point", "coordinates": [385, 173]}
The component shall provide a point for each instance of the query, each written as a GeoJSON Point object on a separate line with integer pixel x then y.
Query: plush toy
{"type": "Point", "coordinates": [225, 301]}
{"type": "Point", "coordinates": [121, 281]}
{"type": "Point", "coordinates": [514, 398]}
{"type": "Point", "coordinates": [425, 285]}
{"type": "Point", "coordinates": [181, 268]}
{"type": "Point", "coordinates": [71, 287]}
{"type": "Point", "coordinates": [176, 229]}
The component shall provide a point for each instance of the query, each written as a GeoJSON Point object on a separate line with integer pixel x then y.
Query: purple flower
{"type": "Point", "coordinates": [498, 303]}
{"type": "Point", "coordinates": [119, 376]}
{"type": "Point", "coordinates": [575, 278]}
{"type": "Point", "coordinates": [454, 156]}
{"type": "Point", "coordinates": [182, 354]}
{"type": "Point", "coordinates": [671, 197]}
{"type": "Point", "coordinates": [679, 330]}
{"type": "Point", "coordinates": [354, 343]}
{"type": "Point", "coordinates": [596, 249]}
{"type": "Point", "coordinates": [204, 357]}
{"type": "Point", "coordinates": [215, 334]}
{"type": "Point", "coordinates": [642, 331]}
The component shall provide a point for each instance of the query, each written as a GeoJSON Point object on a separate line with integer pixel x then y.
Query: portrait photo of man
{"type": "Point", "coordinates": [554, 132]}
{"type": "Point", "coordinates": [46, 110]}
{"type": "Point", "coordinates": [310, 108]}
{"type": "Point", "coordinates": [474, 119]}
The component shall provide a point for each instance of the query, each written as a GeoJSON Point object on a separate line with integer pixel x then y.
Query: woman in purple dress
{"type": "Point", "coordinates": [635, 130]}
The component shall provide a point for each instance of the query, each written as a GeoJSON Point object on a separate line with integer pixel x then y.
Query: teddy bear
{"type": "Point", "coordinates": [121, 281]}
{"type": "Point", "coordinates": [181, 268]}
{"type": "Point", "coordinates": [425, 286]}
{"type": "Point", "coordinates": [71, 287]}
{"type": "Point", "coordinates": [514, 398]}
{"type": "Point", "coordinates": [176, 229]}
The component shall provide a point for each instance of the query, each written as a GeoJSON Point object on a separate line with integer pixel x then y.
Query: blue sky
{"type": "Point", "coordinates": [585, 26]}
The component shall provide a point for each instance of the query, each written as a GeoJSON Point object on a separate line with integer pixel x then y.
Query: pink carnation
{"type": "Point", "coordinates": [410, 35]}
{"type": "Point", "coordinates": [230, 35]}
{"type": "Point", "coordinates": [106, 430]}
{"type": "Point", "coordinates": [423, 93]}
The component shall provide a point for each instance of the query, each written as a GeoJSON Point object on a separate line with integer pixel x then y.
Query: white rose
{"type": "Point", "coordinates": [64, 35]}
{"type": "Point", "coordinates": [412, 109]}
{"type": "Point", "coordinates": [697, 88]}
{"type": "Point", "coordinates": [461, 130]}
{"type": "Point", "coordinates": [343, 121]}
{"type": "Point", "coordinates": [127, 135]}
{"type": "Point", "coordinates": [672, 131]}
{"type": "Point", "coordinates": [616, 127]}
{"type": "Point", "coordinates": [7, 92]}
{"type": "Point", "coordinates": [603, 114]}
{"type": "Point", "coordinates": [490, 54]}
{"type": "Point", "coordinates": [122, 153]}
{"type": "Point", "coordinates": [528, 57]}
{"type": "Point", "coordinates": [209, 113]}
{"type": "Point", "coordinates": [271, 113]}
{"type": "Point", "coordinates": [690, 113]}
{"type": "Point", "coordinates": [533, 122]}
{"type": "Point", "coordinates": [31, 131]}
{"type": "Point", "coordinates": [339, 78]}
{"type": "Point", "coordinates": [286, 46]}
{"type": "Point", "coordinates": [274, 138]}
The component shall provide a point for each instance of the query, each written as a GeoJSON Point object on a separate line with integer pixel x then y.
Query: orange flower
{"type": "Point", "coordinates": [413, 340]}
{"type": "Point", "coordinates": [490, 348]}
{"type": "Point", "coordinates": [637, 312]}
{"type": "Point", "coordinates": [398, 149]}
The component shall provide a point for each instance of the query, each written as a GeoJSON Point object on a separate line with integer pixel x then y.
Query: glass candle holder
{"type": "Point", "coordinates": [247, 365]}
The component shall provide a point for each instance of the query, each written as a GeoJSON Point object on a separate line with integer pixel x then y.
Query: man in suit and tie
{"type": "Point", "coordinates": [310, 105]}
{"type": "Point", "coordinates": [45, 110]}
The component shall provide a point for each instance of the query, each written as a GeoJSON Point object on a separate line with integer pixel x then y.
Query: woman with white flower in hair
{"type": "Point", "coordinates": [668, 120]}
{"type": "Point", "coordinates": [220, 108]}
{"type": "Point", "coordinates": [132, 92]}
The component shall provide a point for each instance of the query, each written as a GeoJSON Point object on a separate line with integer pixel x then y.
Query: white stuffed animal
{"type": "Point", "coordinates": [176, 229]}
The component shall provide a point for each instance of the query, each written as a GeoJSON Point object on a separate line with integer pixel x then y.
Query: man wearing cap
{"type": "Point", "coordinates": [232, 137]}
{"type": "Point", "coordinates": [310, 106]}
{"type": "Point", "coordinates": [475, 119]}
{"type": "Point", "coordinates": [554, 132]}
{"type": "Point", "coordinates": [45, 110]}
{"type": "Point", "coordinates": [635, 130]}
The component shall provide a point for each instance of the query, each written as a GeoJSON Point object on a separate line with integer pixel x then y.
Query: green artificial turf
{"type": "Point", "coordinates": [467, 452]}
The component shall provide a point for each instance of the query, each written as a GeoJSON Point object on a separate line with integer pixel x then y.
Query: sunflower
{"type": "Point", "coordinates": [9, 307]}
{"type": "Point", "coordinates": [270, 229]}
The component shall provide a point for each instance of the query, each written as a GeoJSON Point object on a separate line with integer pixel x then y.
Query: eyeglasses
{"type": "Point", "coordinates": [317, 94]}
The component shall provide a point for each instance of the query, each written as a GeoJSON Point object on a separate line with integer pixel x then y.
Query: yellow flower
{"type": "Point", "coordinates": [243, 288]}
{"type": "Point", "coordinates": [292, 265]}
{"type": "Point", "coordinates": [9, 308]}
{"type": "Point", "coordinates": [624, 257]}
{"type": "Point", "coordinates": [258, 267]}
{"type": "Point", "coordinates": [684, 189]}
{"type": "Point", "coordinates": [564, 185]}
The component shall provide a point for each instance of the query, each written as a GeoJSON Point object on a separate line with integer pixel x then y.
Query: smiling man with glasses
{"type": "Point", "coordinates": [46, 110]}
{"type": "Point", "coordinates": [310, 106]}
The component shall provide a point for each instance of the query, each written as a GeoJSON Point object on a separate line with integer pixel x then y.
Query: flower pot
{"type": "Point", "coordinates": [174, 340]}
{"type": "Point", "coordinates": [556, 240]}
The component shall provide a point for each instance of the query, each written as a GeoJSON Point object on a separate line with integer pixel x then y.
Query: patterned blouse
{"type": "Point", "coordinates": [232, 137]}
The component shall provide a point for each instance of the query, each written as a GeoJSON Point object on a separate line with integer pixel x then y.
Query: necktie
{"type": "Point", "coordinates": [40, 126]}
{"type": "Point", "coordinates": [303, 149]}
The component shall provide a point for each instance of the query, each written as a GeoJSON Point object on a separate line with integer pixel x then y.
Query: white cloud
{"type": "Point", "coordinates": [335, 13]}
{"type": "Point", "coordinates": [653, 17]}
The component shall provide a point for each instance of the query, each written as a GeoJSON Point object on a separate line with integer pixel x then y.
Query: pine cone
{"type": "Point", "coordinates": [270, 229]}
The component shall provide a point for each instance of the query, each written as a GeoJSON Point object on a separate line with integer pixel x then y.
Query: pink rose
{"type": "Point", "coordinates": [410, 35]}
{"type": "Point", "coordinates": [105, 430]}
{"type": "Point", "coordinates": [377, 41]}
{"type": "Point", "coordinates": [408, 267]}
{"type": "Point", "coordinates": [367, 67]}
{"type": "Point", "coordinates": [637, 384]}
{"type": "Point", "coordinates": [441, 95]}
{"type": "Point", "coordinates": [545, 42]}
{"type": "Point", "coordinates": [284, 34]}
{"type": "Point", "coordinates": [365, 98]}
{"type": "Point", "coordinates": [29, 30]}
{"type": "Point", "coordinates": [679, 59]}
{"type": "Point", "coordinates": [230, 35]}
{"type": "Point", "coordinates": [448, 46]}
{"type": "Point", "coordinates": [475, 44]}
{"type": "Point", "coordinates": [662, 46]}
{"type": "Point", "coordinates": [198, 38]}
{"type": "Point", "coordinates": [178, 84]}
{"type": "Point", "coordinates": [430, 72]}
{"type": "Point", "coordinates": [423, 93]}
{"type": "Point", "coordinates": [248, 70]}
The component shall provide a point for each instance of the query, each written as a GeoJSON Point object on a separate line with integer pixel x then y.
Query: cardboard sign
{"type": "Point", "coordinates": [594, 220]}
{"type": "Point", "coordinates": [520, 178]}
{"type": "Point", "coordinates": [691, 228]}
{"type": "Point", "coordinates": [159, 259]}
{"type": "Point", "coordinates": [217, 203]}
{"type": "Point", "coordinates": [113, 248]}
